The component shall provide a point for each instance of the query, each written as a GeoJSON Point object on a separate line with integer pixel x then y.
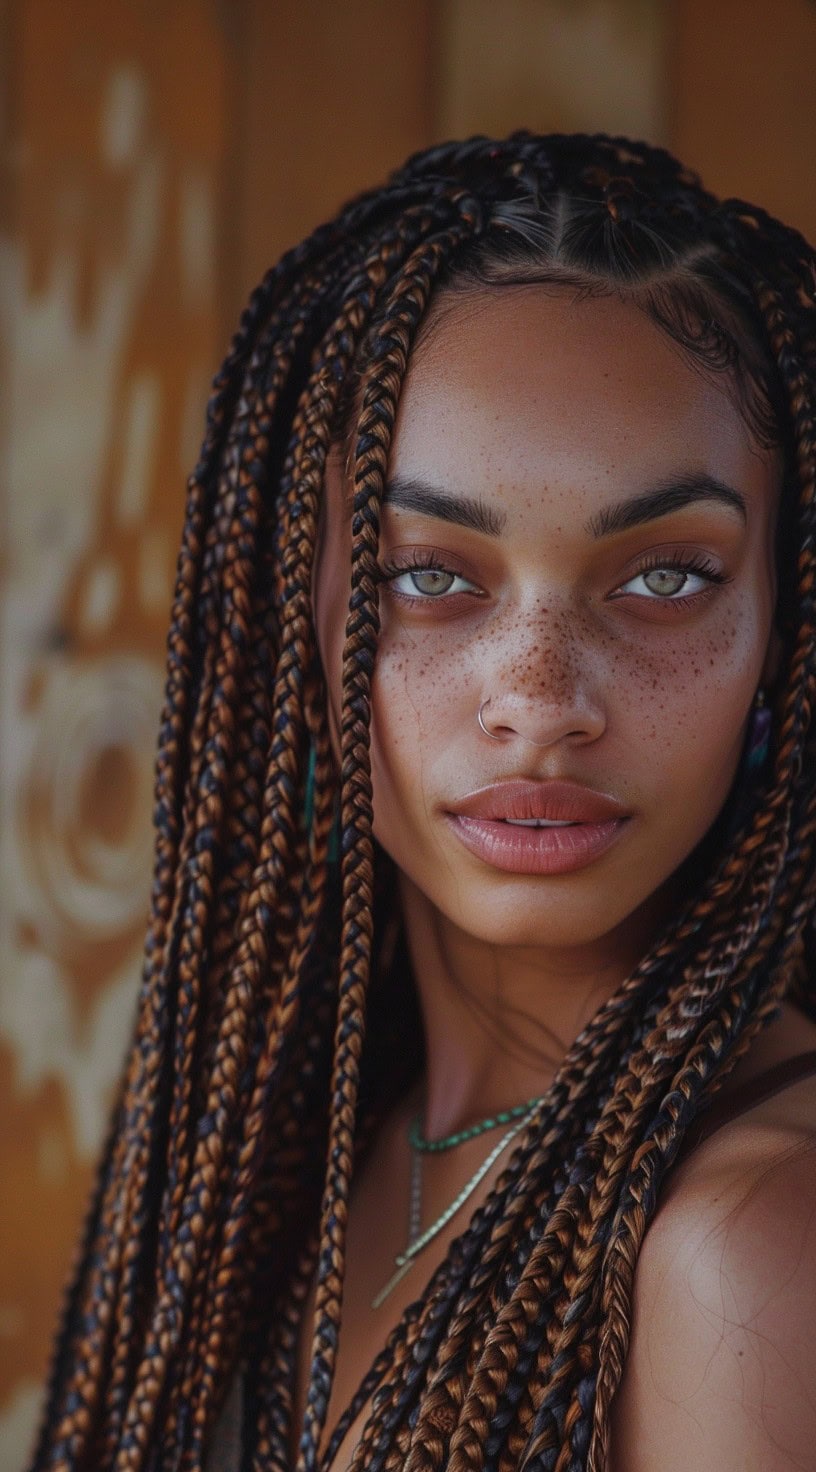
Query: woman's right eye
{"type": "Point", "coordinates": [422, 583]}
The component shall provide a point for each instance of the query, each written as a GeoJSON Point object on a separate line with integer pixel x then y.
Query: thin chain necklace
{"type": "Point", "coordinates": [417, 1240]}
{"type": "Point", "coordinates": [417, 1140]}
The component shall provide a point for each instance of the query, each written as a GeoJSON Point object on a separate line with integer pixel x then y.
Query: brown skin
{"type": "Point", "coordinates": [548, 410]}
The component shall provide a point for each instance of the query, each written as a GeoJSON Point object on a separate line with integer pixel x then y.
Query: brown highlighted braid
{"type": "Point", "coordinates": [254, 1073]}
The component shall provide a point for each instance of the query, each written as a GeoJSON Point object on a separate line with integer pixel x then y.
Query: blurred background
{"type": "Point", "coordinates": [158, 156]}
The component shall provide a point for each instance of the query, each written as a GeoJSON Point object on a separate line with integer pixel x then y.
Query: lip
{"type": "Point", "coordinates": [480, 822]}
{"type": "Point", "coordinates": [555, 802]}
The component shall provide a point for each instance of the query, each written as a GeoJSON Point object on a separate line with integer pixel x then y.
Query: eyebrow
{"type": "Point", "coordinates": [668, 495]}
{"type": "Point", "coordinates": [671, 494]}
{"type": "Point", "coordinates": [469, 511]}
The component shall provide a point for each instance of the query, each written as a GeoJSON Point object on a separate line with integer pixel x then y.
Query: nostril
{"type": "Point", "coordinates": [540, 721]}
{"type": "Point", "coordinates": [497, 731]}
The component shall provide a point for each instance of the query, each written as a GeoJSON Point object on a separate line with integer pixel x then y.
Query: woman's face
{"type": "Point", "coordinates": [576, 538]}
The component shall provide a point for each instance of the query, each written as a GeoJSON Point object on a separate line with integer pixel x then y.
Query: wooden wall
{"type": "Point", "coordinates": [156, 159]}
{"type": "Point", "coordinates": [741, 101]}
{"type": "Point", "coordinates": [111, 305]}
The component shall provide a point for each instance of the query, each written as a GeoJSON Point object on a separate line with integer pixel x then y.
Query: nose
{"type": "Point", "coordinates": [501, 721]}
{"type": "Point", "coordinates": [556, 697]}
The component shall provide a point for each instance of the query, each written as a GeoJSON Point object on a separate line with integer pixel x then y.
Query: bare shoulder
{"type": "Point", "coordinates": [719, 1375]}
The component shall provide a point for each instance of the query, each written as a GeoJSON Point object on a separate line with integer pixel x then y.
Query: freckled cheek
{"type": "Point", "coordinates": [687, 699]}
{"type": "Point", "coordinates": [418, 695]}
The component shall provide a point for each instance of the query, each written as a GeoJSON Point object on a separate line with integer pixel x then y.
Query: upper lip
{"type": "Point", "coordinates": [556, 802]}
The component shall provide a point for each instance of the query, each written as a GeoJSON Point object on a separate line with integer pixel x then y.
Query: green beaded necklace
{"type": "Point", "coordinates": [448, 1142]}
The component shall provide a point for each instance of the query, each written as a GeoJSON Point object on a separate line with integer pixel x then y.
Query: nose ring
{"type": "Point", "coordinates": [480, 719]}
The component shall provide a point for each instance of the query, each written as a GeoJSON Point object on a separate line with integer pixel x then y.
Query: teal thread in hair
{"type": "Point", "coordinates": [308, 805]}
{"type": "Point", "coordinates": [333, 850]}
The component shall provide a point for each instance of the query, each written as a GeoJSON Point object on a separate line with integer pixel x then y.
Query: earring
{"type": "Point", "coordinates": [745, 793]}
{"type": "Point", "coordinates": [759, 733]}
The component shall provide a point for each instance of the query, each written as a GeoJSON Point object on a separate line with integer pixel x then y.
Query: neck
{"type": "Point", "coordinates": [499, 1020]}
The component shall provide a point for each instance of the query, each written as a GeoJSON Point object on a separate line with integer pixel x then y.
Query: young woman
{"type": "Point", "coordinates": [470, 1116]}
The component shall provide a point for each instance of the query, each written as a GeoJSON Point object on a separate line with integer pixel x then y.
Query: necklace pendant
{"type": "Point", "coordinates": [404, 1265]}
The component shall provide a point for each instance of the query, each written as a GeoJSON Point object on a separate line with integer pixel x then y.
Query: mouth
{"type": "Point", "coordinates": [537, 827]}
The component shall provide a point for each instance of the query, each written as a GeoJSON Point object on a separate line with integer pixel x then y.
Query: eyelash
{"type": "Point", "coordinates": [672, 561]}
{"type": "Point", "coordinates": [681, 562]}
{"type": "Point", "coordinates": [388, 571]}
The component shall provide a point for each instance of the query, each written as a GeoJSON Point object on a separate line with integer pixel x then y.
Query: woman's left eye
{"type": "Point", "coordinates": [426, 582]}
{"type": "Point", "coordinates": [669, 581]}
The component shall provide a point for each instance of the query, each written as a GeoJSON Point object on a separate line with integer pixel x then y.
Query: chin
{"type": "Point", "coordinates": [538, 920]}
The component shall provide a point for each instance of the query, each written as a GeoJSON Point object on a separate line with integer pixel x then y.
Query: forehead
{"type": "Point", "coordinates": [522, 389]}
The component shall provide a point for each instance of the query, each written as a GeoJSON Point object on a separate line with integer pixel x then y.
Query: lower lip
{"type": "Point", "coordinates": [519, 850]}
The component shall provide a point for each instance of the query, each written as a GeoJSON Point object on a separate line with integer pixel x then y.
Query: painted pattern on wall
{"type": "Point", "coordinates": [109, 323]}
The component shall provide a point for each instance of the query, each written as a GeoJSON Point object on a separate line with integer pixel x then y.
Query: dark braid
{"type": "Point", "coordinates": [250, 1052]}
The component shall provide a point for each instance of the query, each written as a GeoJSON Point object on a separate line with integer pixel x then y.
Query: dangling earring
{"type": "Point", "coordinates": [754, 756]}
{"type": "Point", "coordinates": [759, 733]}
